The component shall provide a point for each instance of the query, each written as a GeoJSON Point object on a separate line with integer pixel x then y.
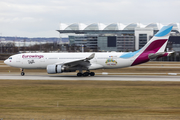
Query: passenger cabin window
{"type": "Point", "coordinates": [10, 57]}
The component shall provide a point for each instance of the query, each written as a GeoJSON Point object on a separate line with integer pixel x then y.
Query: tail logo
{"type": "Point", "coordinates": [156, 45]}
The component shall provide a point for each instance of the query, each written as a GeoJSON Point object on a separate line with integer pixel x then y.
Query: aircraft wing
{"type": "Point", "coordinates": [81, 62]}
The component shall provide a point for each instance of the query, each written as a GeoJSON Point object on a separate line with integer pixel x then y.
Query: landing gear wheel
{"type": "Point", "coordinates": [79, 74]}
{"type": "Point", "coordinates": [86, 74]}
{"type": "Point", "coordinates": [22, 73]}
{"type": "Point", "coordinates": [92, 73]}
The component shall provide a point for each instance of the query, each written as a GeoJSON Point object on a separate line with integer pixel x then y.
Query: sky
{"type": "Point", "coordinates": [41, 18]}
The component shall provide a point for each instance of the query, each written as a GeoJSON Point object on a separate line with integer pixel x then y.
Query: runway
{"type": "Point", "coordinates": [97, 77]}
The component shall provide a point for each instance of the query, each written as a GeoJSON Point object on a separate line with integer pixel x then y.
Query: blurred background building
{"type": "Point", "coordinates": [116, 36]}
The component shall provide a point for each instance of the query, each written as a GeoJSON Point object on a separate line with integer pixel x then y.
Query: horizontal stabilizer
{"type": "Point", "coordinates": [158, 55]}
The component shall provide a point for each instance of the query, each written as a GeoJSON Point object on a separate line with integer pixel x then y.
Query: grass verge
{"type": "Point", "coordinates": [89, 100]}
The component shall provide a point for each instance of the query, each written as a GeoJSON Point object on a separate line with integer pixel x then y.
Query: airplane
{"type": "Point", "coordinates": [71, 62]}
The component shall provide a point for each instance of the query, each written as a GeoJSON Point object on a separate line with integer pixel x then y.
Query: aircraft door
{"type": "Point", "coordinates": [42, 62]}
{"type": "Point", "coordinates": [18, 58]}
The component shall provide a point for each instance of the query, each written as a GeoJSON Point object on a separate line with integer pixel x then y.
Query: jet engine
{"type": "Point", "coordinates": [52, 69]}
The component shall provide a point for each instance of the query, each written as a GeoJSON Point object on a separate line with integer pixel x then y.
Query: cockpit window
{"type": "Point", "coordinates": [10, 57]}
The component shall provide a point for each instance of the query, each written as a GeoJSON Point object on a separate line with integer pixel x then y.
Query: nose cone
{"type": "Point", "coordinates": [6, 62]}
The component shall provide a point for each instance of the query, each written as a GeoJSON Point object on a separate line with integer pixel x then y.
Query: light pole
{"type": "Point", "coordinates": [82, 48]}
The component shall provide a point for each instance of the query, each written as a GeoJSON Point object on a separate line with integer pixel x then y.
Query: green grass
{"type": "Point", "coordinates": [88, 99]}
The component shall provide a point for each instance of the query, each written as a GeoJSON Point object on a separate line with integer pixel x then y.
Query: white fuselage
{"type": "Point", "coordinates": [41, 60]}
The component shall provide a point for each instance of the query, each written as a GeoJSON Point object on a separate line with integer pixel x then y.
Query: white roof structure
{"type": "Point", "coordinates": [176, 26]}
{"type": "Point", "coordinates": [76, 26]}
{"type": "Point", "coordinates": [132, 26]}
{"type": "Point", "coordinates": [95, 26]}
{"type": "Point", "coordinates": [115, 26]}
{"type": "Point", "coordinates": [155, 26]}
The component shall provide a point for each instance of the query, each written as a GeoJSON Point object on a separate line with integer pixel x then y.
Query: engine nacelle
{"type": "Point", "coordinates": [53, 69]}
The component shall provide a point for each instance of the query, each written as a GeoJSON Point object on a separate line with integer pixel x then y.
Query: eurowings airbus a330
{"type": "Point", "coordinates": [70, 62]}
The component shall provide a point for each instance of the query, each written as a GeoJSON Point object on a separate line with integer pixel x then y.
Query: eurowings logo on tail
{"type": "Point", "coordinates": [156, 45]}
{"type": "Point", "coordinates": [153, 49]}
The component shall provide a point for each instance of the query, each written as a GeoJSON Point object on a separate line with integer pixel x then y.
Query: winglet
{"type": "Point", "coordinates": [91, 56]}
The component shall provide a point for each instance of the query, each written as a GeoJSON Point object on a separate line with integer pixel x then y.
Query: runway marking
{"type": "Point", "coordinates": [97, 77]}
{"type": "Point", "coordinates": [155, 67]}
{"type": "Point", "coordinates": [106, 73]}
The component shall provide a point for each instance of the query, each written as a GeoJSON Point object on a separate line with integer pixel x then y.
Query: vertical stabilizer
{"type": "Point", "coordinates": [156, 45]}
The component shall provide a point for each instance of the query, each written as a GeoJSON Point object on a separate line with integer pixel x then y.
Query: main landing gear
{"type": "Point", "coordinates": [87, 73]}
{"type": "Point", "coordinates": [22, 72]}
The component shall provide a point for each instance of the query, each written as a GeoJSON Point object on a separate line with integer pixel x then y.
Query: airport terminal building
{"type": "Point", "coordinates": [116, 36]}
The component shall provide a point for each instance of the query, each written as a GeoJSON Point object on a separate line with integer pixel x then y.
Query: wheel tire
{"type": "Point", "coordinates": [79, 74]}
{"type": "Point", "coordinates": [86, 74]}
{"type": "Point", "coordinates": [92, 73]}
{"type": "Point", "coordinates": [22, 73]}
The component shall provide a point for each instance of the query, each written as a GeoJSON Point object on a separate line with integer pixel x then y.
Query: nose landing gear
{"type": "Point", "coordinates": [22, 72]}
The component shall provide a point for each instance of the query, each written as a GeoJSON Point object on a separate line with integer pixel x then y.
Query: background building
{"type": "Point", "coordinates": [115, 36]}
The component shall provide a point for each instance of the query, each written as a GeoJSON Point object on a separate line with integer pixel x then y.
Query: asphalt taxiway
{"type": "Point", "coordinates": [97, 77]}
